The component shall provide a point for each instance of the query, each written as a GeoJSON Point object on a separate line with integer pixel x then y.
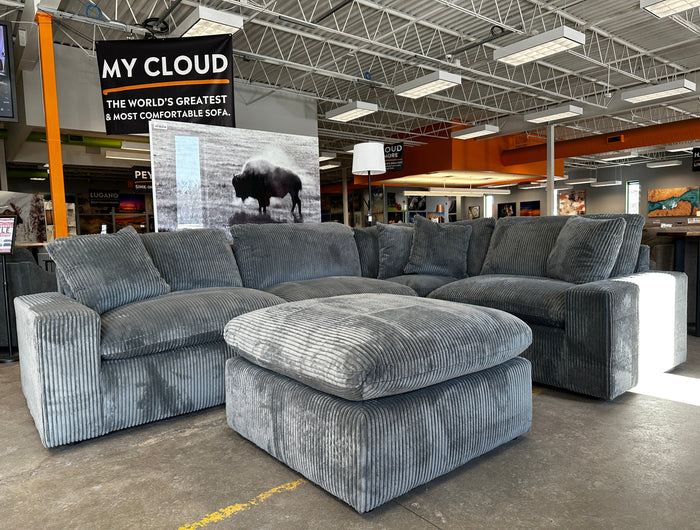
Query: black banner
{"type": "Point", "coordinates": [142, 178]}
{"type": "Point", "coordinates": [393, 157]}
{"type": "Point", "coordinates": [696, 158]}
{"type": "Point", "coordinates": [188, 79]}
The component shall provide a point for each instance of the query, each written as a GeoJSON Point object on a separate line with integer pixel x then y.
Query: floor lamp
{"type": "Point", "coordinates": [368, 159]}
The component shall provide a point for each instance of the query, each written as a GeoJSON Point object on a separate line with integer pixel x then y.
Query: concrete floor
{"type": "Point", "coordinates": [630, 463]}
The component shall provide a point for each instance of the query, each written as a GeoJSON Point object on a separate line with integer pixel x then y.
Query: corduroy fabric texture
{"type": "Point", "coordinates": [521, 245]}
{"type": "Point", "coordinates": [367, 453]}
{"type": "Point", "coordinates": [423, 284]}
{"type": "Point", "coordinates": [586, 250]}
{"type": "Point", "coordinates": [438, 249]}
{"type": "Point", "coordinates": [643, 259]}
{"type": "Point", "coordinates": [107, 271]}
{"type": "Point", "coordinates": [629, 250]}
{"type": "Point", "coordinates": [394, 249]}
{"type": "Point", "coordinates": [482, 229]}
{"type": "Point", "coordinates": [367, 243]}
{"type": "Point", "coordinates": [336, 286]}
{"type": "Point", "coordinates": [176, 320]}
{"type": "Point", "coordinates": [366, 346]}
{"type": "Point", "coordinates": [193, 259]}
{"type": "Point", "coordinates": [269, 254]}
{"type": "Point", "coordinates": [144, 389]}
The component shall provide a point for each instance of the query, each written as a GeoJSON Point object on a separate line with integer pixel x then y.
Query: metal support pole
{"type": "Point", "coordinates": [8, 318]}
{"type": "Point", "coordinates": [551, 196]}
{"type": "Point", "coordinates": [369, 199]}
{"type": "Point", "coordinates": [346, 213]}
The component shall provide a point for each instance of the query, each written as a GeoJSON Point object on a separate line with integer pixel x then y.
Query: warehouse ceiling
{"type": "Point", "coordinates": [333, 51]}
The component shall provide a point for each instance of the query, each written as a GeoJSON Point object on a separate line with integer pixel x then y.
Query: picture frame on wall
{"type": "Point", "coordinates": [530, 208]}
{"type": "Point", "coordinates": [506, 209]}
{"type": "Point", "coordinates": [474, 212]}
{"type": "Point", "coordinates": [572, 202]}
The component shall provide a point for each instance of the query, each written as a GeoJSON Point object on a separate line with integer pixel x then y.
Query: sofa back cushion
{"type": "Point", "coordinates": [367, 242]}
{"type": "Point", "coordinates": [394, 242]}
{"type": "Point", "coordinates": [586, 249]}
{"type": "Point", "coordinates": [268, 254]}
{"type": "Point", "coordinates": [193, 259]}
{"type": "Point", "coordinates": [439, 249]}
{"type": "Point", "coordinates": [104, 271]}
{"type": "Point", "coordinates": [482, 229]}
{"type": "Point", "coordinates": [626, 262]}
{"type": "Point", "coordinates": [521, 245]}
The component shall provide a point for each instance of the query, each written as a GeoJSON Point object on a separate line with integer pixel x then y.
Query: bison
{"type": "Point", "coordinates": [261, 180]}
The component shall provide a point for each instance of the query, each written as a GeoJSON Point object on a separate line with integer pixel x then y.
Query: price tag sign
{"type": "Point", "coordinates": [7, 233]}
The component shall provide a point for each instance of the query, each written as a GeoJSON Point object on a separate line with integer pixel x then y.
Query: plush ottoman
{"type": "Point", "coordinates": [370, 396]}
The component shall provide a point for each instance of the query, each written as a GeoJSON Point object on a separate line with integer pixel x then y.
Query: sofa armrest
{"type": "Point", "coordinates": [59, 342]}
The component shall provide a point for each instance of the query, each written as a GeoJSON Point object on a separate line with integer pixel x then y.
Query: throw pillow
{"type": "Point", "coordinates": [107, 271]}
{"type": "Point", "coordinates": [586, 250]}
{"type": "Point", "coordinates": [439, 249]}
{"type": "Point", "coordinates": [394, 243]}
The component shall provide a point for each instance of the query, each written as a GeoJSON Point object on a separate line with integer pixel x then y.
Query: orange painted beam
{"type": "Point", "coordinates": [53, 130]}
{"type": "Point", "coordinates": [680, 131]}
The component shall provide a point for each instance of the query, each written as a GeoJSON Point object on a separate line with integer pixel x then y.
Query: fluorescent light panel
{"type": "Point", "coordinates": [329, 165]}
{"type": "Point", "coordinates": [475, 132]}
{"type": "Point", "coordinates": [544, 180]}
{"type": "Point", "coordinates": [678, 148]}
{"type": "Point", "coordinates": [136, 146]}
{"type": "Point", "coordinates": [352, 111]}
{"type": "Point", "coordinates": [325, 155]}
{"type": "Point", "coordinates": [540, 46]}
{"type": "Point", "coordinates": [664, 163]}
{"type": "Point", "coordinates": [429, 84]}
{"type": "Point", "coordinates": [606, 183]}
{"type": "Point", "coordinates": [586, 180]}
{"type": "Point", "coordinates": [531, 186]}
{"type": "Point", "coordinates": [464, 192]}
{"type": "Point", "coordinates": [649, 93]}
{"type": "Point", "coordinates": [207, 21]}
{"type": "Point", "coordinates": [555, 113]}
{"type": "Point", "coordinates": [127, 155]}
{"type": "Point", "coordinates": [618, 156]}
{"type": "Point", "coordinates": [666, 8]}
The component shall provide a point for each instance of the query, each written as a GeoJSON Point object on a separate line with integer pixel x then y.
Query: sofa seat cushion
{"type": "Point", "coordinates": [423, 284]}
{"type": "Point", "coordinates": [176, 320]}
{"type": "Point", "coordinates": [535, 300]}
{"type": "Point", "coordinates": [336, 286]}
{"type": "Point", "coordinates": [367, 346]}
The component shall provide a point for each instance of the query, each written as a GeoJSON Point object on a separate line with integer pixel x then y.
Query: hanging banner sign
{"type": "Point", "coordinates": [696, 158]}
{"type": "Point", "coordinates": [186, 80]}
{"type": "Point", "coordinates": [393, 157]}
{"type": "Point", "coordinates": [142, 178]}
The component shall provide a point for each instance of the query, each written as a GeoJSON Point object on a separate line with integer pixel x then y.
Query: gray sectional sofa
{"type": "Point", "coordinates": [135, 332]}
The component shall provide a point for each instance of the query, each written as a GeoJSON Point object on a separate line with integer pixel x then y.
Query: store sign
{"type": "Point", "coordinates": [7, 234]}
{"type": "Point", "coordinates": [393, 157]}
{"type": "Point", "coordinates": [185, 80]}
{"type": "Point", "coordinates": [142, 178]}
{"type": "Point", "coordinates": [104, 198]}
{"type": "Point", "coordinates": [696, 158]}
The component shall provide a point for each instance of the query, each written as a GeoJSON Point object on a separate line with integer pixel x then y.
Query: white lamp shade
{"type": "Point", "coordinates": [368, 158]}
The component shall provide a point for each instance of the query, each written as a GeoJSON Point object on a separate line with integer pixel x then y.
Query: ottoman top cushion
{"type": "Point", "coordinates": [366, 346]}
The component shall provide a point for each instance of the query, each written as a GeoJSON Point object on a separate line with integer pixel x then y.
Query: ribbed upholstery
{"type": "Point", "coordinates": [269, 254]}
{"type": "Point", "coordinates": [369, 452]}
{"type": "Point", "coordinates": [193, 259]}
{"type": "Point", "coordinates": [643, 259]}
{"type": "Point", "coordinates": [482, 229]}
{"type": "Point", "coordinates": [176, 320]}
{"type": "Point", "coordinates": [336, 286]}
{"type": "Point", "coordinates": [60, 367]}
{"type": "Point", "coordinates": [521, 245]}
{"type": "Point", "coordinates": [439, 249]}
{"type": "Point", "coordinates": [366, 346]}
{"type": "Point", "coordinates": [586, 249]}
{"type": "Point", "coordinates": [394, 249]}
{"type": "Point", "coordinates": [423, 284]}
{"type": "Point", "coordinates": [150, 388]}
{"type": "Point", "coordinates": [629, 250]}
{"type": "Point", "coordinates": [535, 300]}
{"type": "Point", "coordinates": [367, 243]}
{"type": "Point", "coordinates": [106, 271]}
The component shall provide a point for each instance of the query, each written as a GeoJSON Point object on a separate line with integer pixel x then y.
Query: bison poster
{"type": "Point", "coordinates": [215, 177]}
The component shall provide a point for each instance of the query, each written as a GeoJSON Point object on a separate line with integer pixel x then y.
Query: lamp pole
{"type": "Point", "coordinates": [369, 201]}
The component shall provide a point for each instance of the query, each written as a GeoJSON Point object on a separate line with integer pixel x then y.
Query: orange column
{"type": "Point", "coordinates": [53, 130]}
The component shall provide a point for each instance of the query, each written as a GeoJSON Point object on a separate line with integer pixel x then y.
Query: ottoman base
{"type": "Point", "coordinates": [369, 452]}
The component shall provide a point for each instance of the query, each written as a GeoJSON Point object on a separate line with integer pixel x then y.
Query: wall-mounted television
{"type": "Point", "coordinates": [8, 95]}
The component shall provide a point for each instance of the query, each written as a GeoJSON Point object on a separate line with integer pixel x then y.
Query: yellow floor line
{"type": "Point", "coordinates": [225, 513]}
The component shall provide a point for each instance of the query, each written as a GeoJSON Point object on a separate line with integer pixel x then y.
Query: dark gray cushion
{"type": "Point", "coordinates": [176, 320]}
{"type": "Point", "coordinates": [394, 248]}
{"type": "Point", "coordinates": [366, 346]}
{"type": "Point", "coordinates": [629, 250]}
{"type": "Point", "coordinates": [535, 300]}
{"type": "Point", "coordinates": [336, 286]}
{"type": "Point", "coordinates": [423, 284]}
{"type": "Point", "coordinates": [586, 250]}
{"type": "Point", "coordinates": [268, 254]}
{"type": "Point", "coordinates": [439, 249]}
{"type": "Point", "coordinates": [104, 271]}
{"type": "Point", "coordinates": [521, 245]}
{"type": "Point", "coordinates": [479, 243]}
{"type": "Point", "coordinates": [193, 259]}
{"type": "Point", "coordinates": [367, 243]}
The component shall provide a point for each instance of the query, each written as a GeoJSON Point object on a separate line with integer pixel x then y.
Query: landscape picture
{"type": "Point", "coordinates": [572, 202]}
{"type": "Point", "coordinates": [673, 201]}
{"type": "Point", "coordinates": [216, 177]}
{"type": "Point", "coordinates": [529, 208]}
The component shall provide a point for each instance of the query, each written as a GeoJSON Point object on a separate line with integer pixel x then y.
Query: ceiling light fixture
{"type": "Point", "coordinates": [352, 111]}
{"type": "Point", "coordinates": [618, 156]}
{"type": "Point", "coordinates": [325, 155]}
{"type": "Point", "coordinates": [586, 180]}
{"type": "Point", "coordinates": [206, 21]}
{"type": "Point", "coordinates": [666, 8]}
{"type": "Point", "coordinates": [606, 183]}
{"type": "Point", "coordinates": [563, 188]}
{"type": "Point", "coordinates": [456, 192]}
{"type": "Point", "coordinates": [540, 46]}
{"type": "Point", "coordinates": [127, 155]}
{"type": "Point", "coordinates": [649, 93]}
{"type": "Point", "coordinates": [329, 165]}
{"type": "Point", "coordinates": [531, 186]}
{"type": "Point", "coordinates": [664, 163]}
{"type": "Point", "coordinates": [544, 180]}
{"type": "Point", "coordinates": [679, 148]}
{"type": "Point", "coordinates": [475, 132]}
{"type": "Point", "coordinates": [428, 84]}
{"type": "Point", "coordinates": [136, 146]}
{"type": "Point", "coordinates": [555, 113]}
